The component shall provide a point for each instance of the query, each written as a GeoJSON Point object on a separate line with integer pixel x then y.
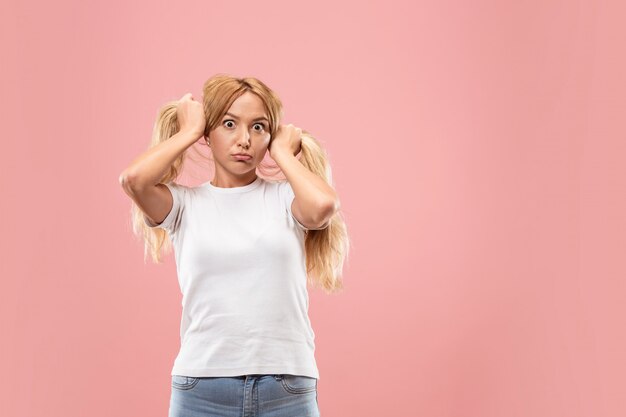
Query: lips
{"type": "Point", "coordinates": [242, 157]}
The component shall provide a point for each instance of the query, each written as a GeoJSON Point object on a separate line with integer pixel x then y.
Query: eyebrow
{"type": "Point", "coordinates": [258, 118]}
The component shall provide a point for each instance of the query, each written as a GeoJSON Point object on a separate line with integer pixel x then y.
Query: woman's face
{"type": "Point", "coordinates": [243, 129]}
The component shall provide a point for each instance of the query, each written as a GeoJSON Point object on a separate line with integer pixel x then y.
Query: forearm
{"type": "Point", "coordinates": [310, 190]}
{"type": "Point", "coordinates": [149, 167]}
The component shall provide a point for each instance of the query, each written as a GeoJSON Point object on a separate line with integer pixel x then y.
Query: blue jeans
{"type": "Point", "coordinates": [256, 395]}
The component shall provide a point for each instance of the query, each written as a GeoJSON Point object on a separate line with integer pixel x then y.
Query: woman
{"type": "Point", "coordinates": [245, 248]}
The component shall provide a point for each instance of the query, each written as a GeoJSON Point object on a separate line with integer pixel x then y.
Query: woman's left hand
{"type": "Point", "coordinates": [287, 139]}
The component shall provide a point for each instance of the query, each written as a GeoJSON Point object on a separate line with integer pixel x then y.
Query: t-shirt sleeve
{"type": "Point", "coordinates": [288, 196]}
{"type": "Point", "coordinates": [172, 221]}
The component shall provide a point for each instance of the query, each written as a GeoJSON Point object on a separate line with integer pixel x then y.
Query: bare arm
{"type": "Point", "coordinates": [140, 179]}
{"type": "Point", "coordinates": [315, 200]}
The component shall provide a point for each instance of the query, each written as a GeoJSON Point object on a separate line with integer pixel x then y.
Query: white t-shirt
{"type": "Point", "coordinates": [241, 268]}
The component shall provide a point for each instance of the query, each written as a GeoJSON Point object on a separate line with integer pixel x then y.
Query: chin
{"type": "Point", "coordinates": [250, 167]}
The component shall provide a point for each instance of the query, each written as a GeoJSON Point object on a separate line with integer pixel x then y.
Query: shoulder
{"type": "Point", "coordinates": [182, 190]}
{"type": "Point", "coordinates": [279, 187]}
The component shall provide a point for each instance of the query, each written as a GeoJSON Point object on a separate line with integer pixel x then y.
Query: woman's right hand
{"type": "Point", "coordinates": [190, 115]}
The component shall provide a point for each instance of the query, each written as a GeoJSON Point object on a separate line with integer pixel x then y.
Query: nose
{"type": "Point", "coordinates": [244, 139]}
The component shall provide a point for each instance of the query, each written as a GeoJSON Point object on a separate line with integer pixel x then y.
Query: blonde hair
{"type": "Point", "coordinates": [325, 249]}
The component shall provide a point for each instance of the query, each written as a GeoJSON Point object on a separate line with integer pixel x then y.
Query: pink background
{"type": "Point", "coordinates": [478, 149]}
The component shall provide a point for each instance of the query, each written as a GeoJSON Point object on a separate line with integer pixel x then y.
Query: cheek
{"type": "Point", "coordinates": [218, 139]}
